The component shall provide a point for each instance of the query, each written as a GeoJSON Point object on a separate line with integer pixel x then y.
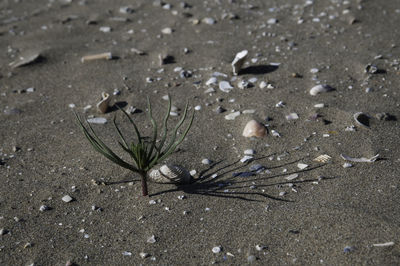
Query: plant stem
{"type": "Point", "coordinates": [143, 177]}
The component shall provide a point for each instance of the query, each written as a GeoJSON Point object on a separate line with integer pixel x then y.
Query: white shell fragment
{"type": "Point", "coordinates": [217, 249]}
{"type": "Point", "coordinates": [238, 61]}
{"type": "Point", "coordinates": [246, 158]}
{"type": "Point", "coordinates": [320, 89]}
{"type": "Point", "coordinates": [67, 198]}
{"type": "Point", "coordinates": [169, 173]}
{"type": "Point", "coordinates": [302, 166]}
{"type": "Point", "coordinates": [25, 60]}
{"type": "Point", "coordinates": [361, 119]}
{"type": "Point", "coordinates": [387, 244]}
{"type": "Point", "coordinates": [254, 129]}
{"type": "Point", "coordinates": [151, 239]}
{"type": "Point", "coordinates": [322, 158]}
{"type": "Point", "coordinates": [97, 120]}
{"type": "Point", "coordinates": [292, 177]}
{"type": "Point", "coordinates": [103, 105]}
{"type": "Point", "coordinates": [359, 160]}
{"type": "Point", "coordinates": [232, 116]}
{"type": "Point", "coordinates": [292, 116]}
{"type": "Point", "coordinates": [106, 56]}
{"type": "Point", "coordinates": [225, 86]}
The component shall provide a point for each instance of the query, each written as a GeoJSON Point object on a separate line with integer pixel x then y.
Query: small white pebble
{"type": "Point", "coordinates": [197, 107]}
{"type": "Point", "coordinates": [216, 249]}
{"type": "Point", "coordinates": [152, 202]}
{"type": "Point", "coordinates": [206, 161]}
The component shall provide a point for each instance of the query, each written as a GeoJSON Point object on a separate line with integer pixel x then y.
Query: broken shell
{"type": "Point", "coordinates": [107, 56]}
{"type": "Point", "coordinates": [102, 106]}
{"type": "Point", "coordinates": [254, 129]}
{"type": "Point", "coordinates": [320, 89]}
{"type": "Point", "coordinates": [238, 61]}
{"type": "Point", "coordinates": [361, 119]}
{"type": "Point", "coordinates": [169, 173]}
{"type": "Point", "coordinates": [359, 160]}
{"type": "Point", "coordinates": [26, 59]}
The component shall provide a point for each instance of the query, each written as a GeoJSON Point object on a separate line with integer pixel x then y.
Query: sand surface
{"type": "Point", "coordinates": [328, 215]}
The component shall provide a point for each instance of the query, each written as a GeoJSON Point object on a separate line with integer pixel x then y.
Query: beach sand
{"type": "Point", "coordinates": [329, 214]}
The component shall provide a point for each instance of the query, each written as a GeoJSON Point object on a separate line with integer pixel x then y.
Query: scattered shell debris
{"type": "Point", "coordinates": [359, 160]}
{"type": "Point", "coordinates": [106, 56]}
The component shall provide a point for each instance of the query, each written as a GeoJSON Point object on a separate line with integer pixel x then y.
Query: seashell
{"type": "Point", "coordinates": [320, 89]}
{"type": "Point", "coordinates": [359, 160]}
{"type": "Point", "coordinates": [102, 106]}
{"type": "Point", "coordinates": [170, 173]}
{"type": "Point", "coordinates": [238, 61]}
{"type": "Point", "coordinates": [361, 119]}
{"type": "Point", "coordinates": [322, 158]}
{"type": "Point", "coordinates": [254, 129]}
{"type": "Point", "coordinates": [225, 86]}
{"type": "Point", "coordinates": [26, 59]}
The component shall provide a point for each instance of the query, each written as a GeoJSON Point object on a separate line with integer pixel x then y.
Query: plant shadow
{"type": "Point", "coordinates": [223, 181]}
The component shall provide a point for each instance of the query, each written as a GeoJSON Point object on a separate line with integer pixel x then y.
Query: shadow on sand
{"type": "Point", "coordinates": [225, 181]}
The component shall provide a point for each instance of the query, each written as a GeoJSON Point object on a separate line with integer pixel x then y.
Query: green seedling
{"type": "Point", "coordinates": [145, 152]}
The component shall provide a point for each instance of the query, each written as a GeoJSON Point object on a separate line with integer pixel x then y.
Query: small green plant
{"type": "Point", "coordinates": [145, 152]}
